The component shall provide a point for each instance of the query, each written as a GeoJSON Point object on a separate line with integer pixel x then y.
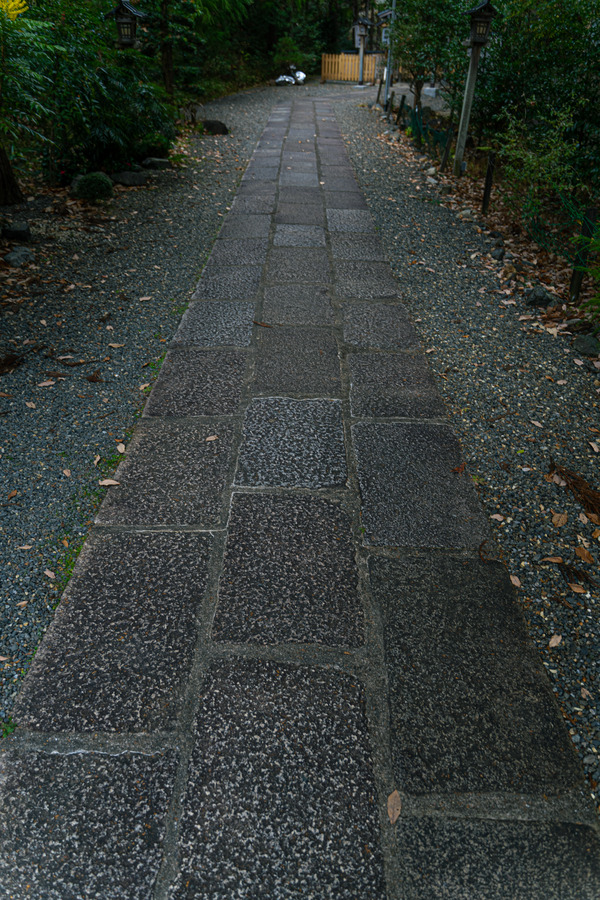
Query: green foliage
{"type": "Point", "coordinates": [287, 53]}
{"type": "Point", "coordinates": [94, 186]}
{"type": "Point", "coordinates": [8, 727]}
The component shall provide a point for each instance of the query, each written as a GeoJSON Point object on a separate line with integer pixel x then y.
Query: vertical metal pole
{"type": "Point", "coordinates": [463, 128]}
{"type": "Point", "coordinates": [361, 59]}
{"type": "Point", "coordinates": [388, 74]}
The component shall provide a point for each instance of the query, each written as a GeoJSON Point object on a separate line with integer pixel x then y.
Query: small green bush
{"type": "Point", "coordinates": [94, 186]}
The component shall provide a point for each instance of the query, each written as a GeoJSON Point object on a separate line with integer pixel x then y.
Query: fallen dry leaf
{"type": "Point", "coordinates": [3, 658]}
{"type": "Point", "coordinates": [67, 472]}
{"type": "Point", "coordinates": [144, 386]}
{"type": "Point", "coordinates": [585, 694]}
{"type": "Point", "coordinates": [559, 519]}
{"type": "Point", "coordinates": [4, 394]}
{"type": "Point", "coordinates": [107, 482]}
{"type": "Point", "coordinates": [578, 362]}
{"type": "Point", "coordinates": [30, 404]}
{"type": "Point", "coordinates": [595, 446]}
{"type": "Point", "coordinates": [516, 581]}
{"type": "Point", "coordinates": [116, 346]}
{"type": "Point", "coordinates": [46, 383]}
{"type": "Point", "coordinates": [25, 547]}
{"type": "Point", "coordinates": [94, 378]}
{"type": "Point", "coordinates": [497, 517]}
{"type": "Point", "coordinates": [145, 298]}
{"type": "Point", "coordinates": [23, 603]}
{"type": "Point", "coordinates": [577, 588]}
{"type": "Point", "coordinates": [555, 640]}
{"type": "Point", "coordinates": [394, 806]}
{"type": "Point", "coordinates": [537, 424]}
{"type": "Point", "coordinates": [121, 448]}
{"type": "Point", "coordinates": [585, 555]}
{"type": "Point", "coordinates": [11, 495]}
{"type": "Point", "coordinates": [583, 518]}
{"type": "Point", "coordinates": [65, 543]}
{"type": "Point", "coordinates": [213, 437]}
{"type": "Point", "coordinates": [49, 573]}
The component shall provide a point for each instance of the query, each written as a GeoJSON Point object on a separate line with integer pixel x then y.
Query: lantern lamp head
{"type": "Point", "coordinates": [481, 22]}
{"type": "Point", "coordinates": [126, 17]}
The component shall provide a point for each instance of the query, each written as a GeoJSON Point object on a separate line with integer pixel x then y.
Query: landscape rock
{"type": "Point", "coordinates": [19, 257]}
{"type": "Point", "coordinates": [16, 231]}
{"type": "Point", "coordinates": [587, 345]}
{"type": "Point", "coordinates": [213, 126]}
{"type": "Point", "coordinates": [498, 254]}
{"type": "Point", "coordinates": [540, 296]}
{"type": "Point", "coordinates": [153, 162]}
{"type": "Point", "coordinates": [130, 179]}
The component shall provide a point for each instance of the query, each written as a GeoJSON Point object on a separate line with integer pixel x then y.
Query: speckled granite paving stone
{"type": "Point", "coordinates": [292, 443]}
{"type": "Point", "coordinates": [252, 205]}
{"type": "Point", "coordinates": [410, 495]}
{"type": "Point", "coordinates": [298, 304]}
{"type": "Point", "coordinates": [198, 383]}
{"type": "Point", "coordinates": [239, 252]}
{"type": "Point", "coordinates": [299, 236]}
{"type": "Point", "coordinates": [171, 476]}
{"type": "Point", "coordinates": [462, 860]}
{"type": "Point", "coordinates": [298, 264]}
{"type": "Point", "coordinates": [357, 246]}
{"type": "Point", "coordinates": [471, 708]}
{"type": "Point", "coordinates": [214, 323]}
{"type": "Point", "coordinates": [289, 574]}
{"type": "Point", "coordinates": [350, 220]}
{"type": "Point", "coordinates": [228, 283]}
{"type": "Point", "coordinates": [245, 226]}
{"type": "Point", "coordinates": [339, 183]}
{"type": "Point", "coordinates": [393, 385]}
{"type": "Point", "coordinates": [365, 280]}
{"type": "Point", "coordinates": [261, 173]}
{"type": "Point", "coordinates": [299, 214]}
{"type": "Point", "coordinates": [86, 825]}
{"type": "Point", "coordinates": [119, 651]}
{"type": "Point", "coordinates": [352, 199]}
{"type": "Point", "coordinates": [280, 800]}
{"type": "Point", "coordinates": [298, 179]}
{"type": "Point", "coordinates": [300, 162]}
{"type": "Point", "coordinates": [380, 326]}
{"type": "Point", "coordinates": [297, 361]}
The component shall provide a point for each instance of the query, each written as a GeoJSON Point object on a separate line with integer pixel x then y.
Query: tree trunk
{"type": "Point", "coordinates": [166, 48]}
{"type": "Point", "coordinates": [10, 192]}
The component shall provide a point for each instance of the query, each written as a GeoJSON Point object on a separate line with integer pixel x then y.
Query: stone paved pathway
{"type": "Point", "coordinates": [288, 611]}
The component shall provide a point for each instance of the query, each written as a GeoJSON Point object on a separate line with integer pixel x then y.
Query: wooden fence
{"type": "Point", "coordinates": [345, 67]}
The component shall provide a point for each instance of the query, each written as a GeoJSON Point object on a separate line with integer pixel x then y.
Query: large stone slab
{"type": "Point", "coordinates": [379, 326]}
{"type": "Point", "coordinates": [471, 707]}
{"type": "Point", "coordinates": [299, 214]}
{"type": "Point", "coordinates": [228, 283]}
{"type": "Point", "coordinates": [120, 648]}
{"type": "Point", "coordinates": [357, 247]}
{"type": "Point", "coordinates": [215, 323]}
{"type": "Point", "coordinates": [352, 199]}
{"type": "Point", "coordinates": [253, 205]}
{"type": "Point", "coordinates": [289, 574]}
{"type": "Point", "coordinates": [350, 220]}
{"type": "Point", "coordinates": [83, 825]}
{"type": "Point", "coordinates": [464, 860]}
{"type": "Point", "coordinates": [398, 384]}
{"type": "Point", "coordinates": [365, 280]}
{"type": "Point", "coordinates": [297, 361]}
{"type": "Point", "coordinates": [298, 304]}
{"type": "Point", "coordinates": [411, 497]}
{"type": "Point", "coordinates": [299, 236]}
{"type": "Point", "coordinates": [298, 264]}
{"type": "Point", "coordinates": [280, 801]}
{"type": "Point", "coordinates": [239, 252]}
{"type": "Point", "coordinates": [298, 179]}
{"type": "Point", "coordinates": [292, 443]}
{"type": "Point", "coordinates": [245, 225]}
{"type": "Point", "coordinates": [198, 383]}
{"type": "Point", "coordinates": [172, 476]}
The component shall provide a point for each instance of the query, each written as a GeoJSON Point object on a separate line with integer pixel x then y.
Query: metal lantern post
{"type": "Point", "coordinates": [361, 29]}
{"type": "Point", "coordinates": [481, 23]}
{"type": "Point", "coordinates": [388, 71]}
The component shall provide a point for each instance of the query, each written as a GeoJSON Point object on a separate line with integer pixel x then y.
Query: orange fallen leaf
{"type": "Point", "coordinates": [30, 404]}
{"type": "Point", "coordinates": [559, 519]}
{"type": "Point", "coordinates": [4, 394]}
{"type": "Point", "coordinates": [23, 603]}
{"type": "Point", "coordinates": [64, 543]}
{"type": "Point", "coordinates": [577, 588]}
{"type": "Point", "coordinates": [585, 555]}
{"type": "Point", "coordinates": [67, 472]}
{"type": "Point", "coordinates": [11, 495]}
{"type": "Point", "coordinates": [578, 362]}
{"type": "Point", "coordinates": [394, 806]}
{"type": "Point", "coordinates": [144, 386]}
{"type": "Point", "coordinates": [555, 640]}
{"type": "Point", "coordinates": [553, 559]}
{"type": "Point", "coordinates": [516, 581]}
{"type": "Point", "coordinates": [459, 469]}
{"type": "Point", "coordinates": [595, 446]}
{"type": "Point", "coordinates": [3, 658]}
{"type": "Point", "coordinates": [585, 694]}
{"type": "Point", "coordinates": [583, 518]}
{"type": "Point", "coordinates": [213, 437]}
{"type": "Point", "coordinates": [116, 346]}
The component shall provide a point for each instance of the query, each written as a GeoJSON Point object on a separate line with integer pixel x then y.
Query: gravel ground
{"type": "Point", "coordinates": [107, 288]}
{"type": "Point", "coordinates": [516, 397]}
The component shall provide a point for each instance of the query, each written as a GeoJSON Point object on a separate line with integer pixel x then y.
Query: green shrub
{"type": "Point", "coordinates": [94, 186]}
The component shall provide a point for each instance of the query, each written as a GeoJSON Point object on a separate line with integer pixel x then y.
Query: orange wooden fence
{"type": "Point", "coordinates": [345, 67]}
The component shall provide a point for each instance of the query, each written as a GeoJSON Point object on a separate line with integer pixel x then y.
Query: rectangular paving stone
{"type": "Point", "coordinates": [198, 383]}
{"type": "Point", "coordinates": [262, 172]}
{"type": "Point", "coordinates": [245, 226]}
{"type": "Point", "coordinates": [307, 196]}
{"type": "Point", "coordinates": [83, 825]}
{"type": "Point", "coordinates": [297, 264]}
{"type": "Point", "coordinates": [298, 304]}
{"type": "Point", "coordinates": [365, 280]}
{"type": "Point", "coordinates": [380, 326]}
{"type": "Point", "coordinates": [292, 443]}
{"type": "Point", "coordinates": [300, 361]}
{"type": "Point", "coordinates": [299, 214]}
{"type": "Point", "coordinates": [119, 651]}
{"type": "Point", "coordinates": [289, 574]}
{"type": "Point", "coordinates": [171, 476]}
{"type": "Point", "coordinates": [280, 801]}
{"type": "Point", "coordinates": [264, 190]}
{"type": "Point", "coordinates": [464, 860]}
{"type": "Point", "coordinates": [352, 199]}
{"type": "Point", "coordinates": [298, 179]}
{"type": "Point", "coordinates": [471, 708]}
{"type": "Point", "coordinates": [240, 252]}
{"type": "Point", "coordinates": [298, 162]}
{"type": "Point", "coordinates": [253, 205]}
{"type": "Point", "coordinates": [228, 283]}
{"type": "Point", "coordinates": [299, 236]}
{"type": "Point", "coordinates": [410, 495]}
{"type": "Point", "coordinates": [350, 220]}
{"type": "Point", "coordinates": [357, 247]}
{"type": "Point", "coordinates": [393, 385]}
{"type": "Point", "coordinates": [339, 183]}
{"type": "Point", "coordinates": [216, 323]}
